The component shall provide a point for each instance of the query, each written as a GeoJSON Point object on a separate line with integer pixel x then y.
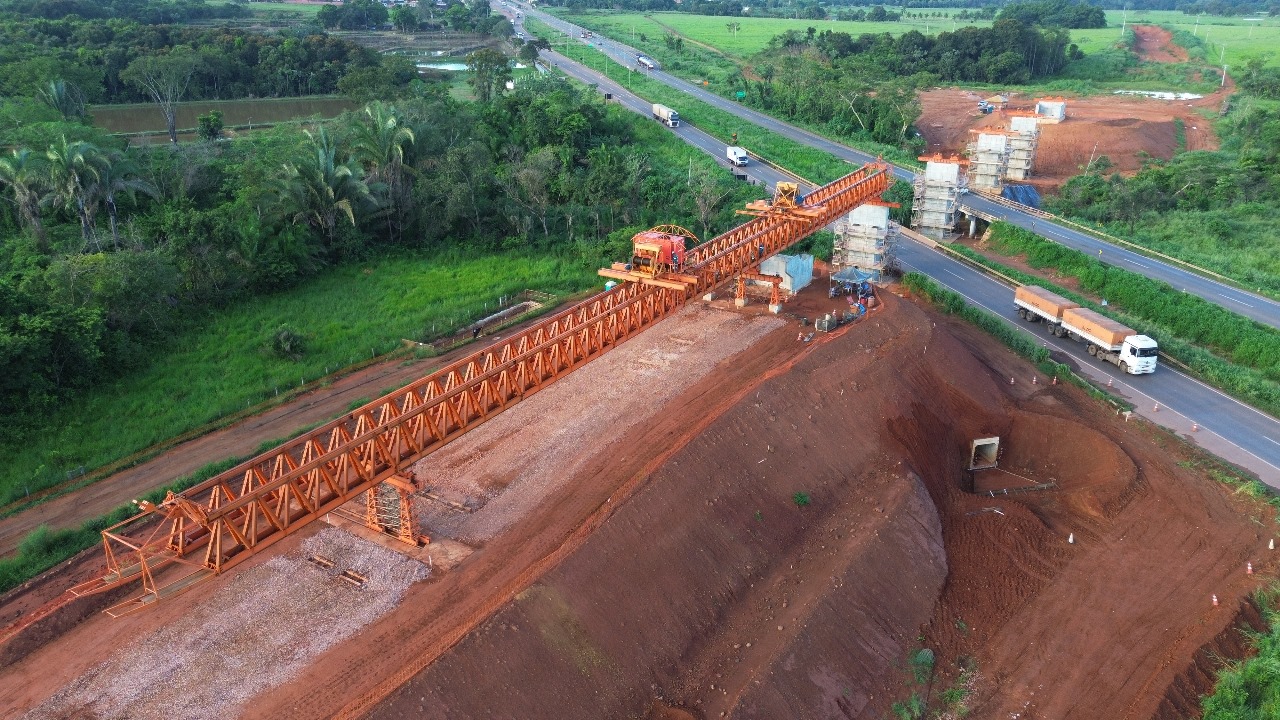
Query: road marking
{"type": "Point", "coordinates": [957, 275]}
{"type": "Point", "coordinates": [1135, 262]}
{"type": "Point", "coordinates": [1264, 437]}
{"type": "Point", "coordinates": [1235, 300]}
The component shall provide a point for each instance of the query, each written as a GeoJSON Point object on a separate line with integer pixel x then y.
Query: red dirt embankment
{"type": "Point", "coordinates": [667, 573]}
{"type": "Point", "coordinates": [654, 613]}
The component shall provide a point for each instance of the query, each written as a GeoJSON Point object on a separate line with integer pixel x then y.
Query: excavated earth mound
{"type": "Point", "coordinates": [712, 594]}
{"type": "Point", "coordinates": [720, 520]}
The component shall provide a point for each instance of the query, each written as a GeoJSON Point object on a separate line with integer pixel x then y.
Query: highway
{"type": "Point", "coordinates": [1227, 427]}
{"type": "Point", "coordinates": [1250, 305]}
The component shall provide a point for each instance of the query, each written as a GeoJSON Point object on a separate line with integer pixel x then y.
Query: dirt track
{"type": "Point", "coordinates": [633, 583]}
{"type": "Point", "coordinates": [240, 439]}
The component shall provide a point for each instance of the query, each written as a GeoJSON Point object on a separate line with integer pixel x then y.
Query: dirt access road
{"type": "Point", "coordinates": [238, 440]}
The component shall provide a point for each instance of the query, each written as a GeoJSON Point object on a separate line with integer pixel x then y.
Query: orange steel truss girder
{"type": "Point", "coordinates": [226, 519]}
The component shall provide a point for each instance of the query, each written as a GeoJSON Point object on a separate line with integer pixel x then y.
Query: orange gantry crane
{"type": "Point", "coordinates": [219, 523]}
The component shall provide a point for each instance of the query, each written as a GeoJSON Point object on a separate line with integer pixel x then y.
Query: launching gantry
{"type": "Point", "coordinates": [210, 528]}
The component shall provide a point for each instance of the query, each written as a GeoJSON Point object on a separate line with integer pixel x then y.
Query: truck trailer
{"type": "Point", "coordinates": [666, 115]}
{"type": "Point", "coordinates": [1108, 339]}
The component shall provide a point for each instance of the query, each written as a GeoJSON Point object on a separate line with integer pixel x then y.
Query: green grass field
{"type": "Point", "coordinates": [1239, 37]}
{"type": "Point", "coordinates": [750, 39]}
{"type": "Point", "coordinates": [277, 9]}
{"type": "Point", "coordinates": [347, 314]}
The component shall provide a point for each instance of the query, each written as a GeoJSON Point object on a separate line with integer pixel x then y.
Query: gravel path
{"type": "Point", "coordinates": [257, 632]}
{"type": "Point", "coordinates": [530, 449]}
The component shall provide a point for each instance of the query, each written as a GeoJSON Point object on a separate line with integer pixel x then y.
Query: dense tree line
{"type": "Point", "coordinates": [1246, 173]}
{"type": "Point", "coordinates": [96, 57]}
{"type": "Point", "coordinates": [147, 12]}
{"type": "Point", "coordinates": [1007, 52]}
{"type": "Point", "coordinates": [104, 249]}
{"type": "Point", "coordinates": [1056, 13]}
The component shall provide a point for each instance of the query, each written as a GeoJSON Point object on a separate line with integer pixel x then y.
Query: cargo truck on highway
{"type": "Point", "coordinates": [666, 115]}
{"type": "Point", "coordinates": [736, 155]}
{"type": "Point", "coordinates": [1108, 339]}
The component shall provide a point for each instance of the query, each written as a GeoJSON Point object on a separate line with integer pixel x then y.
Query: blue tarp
{"type": "Point", "coordinates": [1024, 194]}
{"type": "Point", "coordinates": [856, 275]}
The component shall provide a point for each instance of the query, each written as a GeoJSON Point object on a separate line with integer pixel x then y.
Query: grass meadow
{"type": "Point", "coordinates": [752, 36]}
{"type": "Point", "coordinates": [222, 365]}
{"type": "Point", "coordinates": [1229, 39]}
{"type": "Point", "coordinates": [278, 9]}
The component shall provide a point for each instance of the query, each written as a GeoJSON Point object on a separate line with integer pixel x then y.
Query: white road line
{"type": "Point", "coordinates": [1135, 262]}
{"type": "Point", "coordinates": [1235, 300]}
{"type": "Point", "coordinates": [1264, 437]}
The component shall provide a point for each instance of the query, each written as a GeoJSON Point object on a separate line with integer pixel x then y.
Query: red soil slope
{"type": "Point", "coordinates": [671, 575]}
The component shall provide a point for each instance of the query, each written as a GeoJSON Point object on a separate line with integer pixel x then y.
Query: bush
{"type": "Point", "coordinates": [801, 499]}
{"type": "Point", "coordinates": [288, 344]}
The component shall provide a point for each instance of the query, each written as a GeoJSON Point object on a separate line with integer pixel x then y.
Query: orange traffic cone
{"type": "Point", "coordinates": [1215, 600]}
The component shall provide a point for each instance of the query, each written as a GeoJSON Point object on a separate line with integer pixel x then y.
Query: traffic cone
{"type": "Point", "coordinates": [1156, 408]}
{"type": "Point", "coordinates": [1215, 600]}
{"type": "Point", "coordinates": [1010, 381]}
{"type": "Point", "coordinates": [1195, 427]}
{"type": "Point", "coordinates": [1271, 545]}
{"type": "Point", "coordinates": [1035, 380]}
{"type": "Point", "coordinates": [1109, 382]}
{"type": "Point", "coordinates": [1248, 568]}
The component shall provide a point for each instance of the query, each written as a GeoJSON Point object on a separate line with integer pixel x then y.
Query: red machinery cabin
{"type": "Point", "coordinates": [657, 252]}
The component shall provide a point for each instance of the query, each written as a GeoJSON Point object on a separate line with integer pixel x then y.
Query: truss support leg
{"type": "Point", "coordinates": [775, 300]}
{"type": "Point", "coordinates": [389, 510]}
{"type": "Point", "coordinates": [740, 293]}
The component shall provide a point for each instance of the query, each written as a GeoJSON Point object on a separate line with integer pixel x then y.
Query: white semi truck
{"type": "Point", "coordinates": [1108, 339]}
{"type": "Point", "coordinates": [736, 155]}
{"type": "Point", "coordinates": [666, 115]}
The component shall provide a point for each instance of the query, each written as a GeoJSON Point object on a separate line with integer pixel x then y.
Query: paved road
{"type": "Point", "coordinates": [1253, 306]}
{"type": "Point", "coordinates": [1226, 427]}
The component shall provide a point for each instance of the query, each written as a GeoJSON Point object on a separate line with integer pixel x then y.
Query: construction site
{"type": "Point", "coordinates": [716, 489]}
{"type": "Point", "coordinates": [1070, 134]}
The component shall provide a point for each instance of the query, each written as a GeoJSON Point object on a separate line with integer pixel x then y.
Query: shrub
{"type": "Point", "coordinates": [288, 344]}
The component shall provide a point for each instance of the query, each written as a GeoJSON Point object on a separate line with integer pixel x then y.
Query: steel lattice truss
{"type": "Point", "coordinates": [224, 520]}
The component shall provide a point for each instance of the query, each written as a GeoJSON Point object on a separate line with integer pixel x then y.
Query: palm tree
{"type": "Point", "coordinates": [66, 98]}
{"type": "Point", "coordinates": [319, 190]}
{"type": "Point", "coordinates": [118, 173]}
{"type": "Point", "coordinates": [72, 168]}
{"type": "Point", "coordinates": [378, 144]}
{"type": "Point", "coordinates": [22, 173]}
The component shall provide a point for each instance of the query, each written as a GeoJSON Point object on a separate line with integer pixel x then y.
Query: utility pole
{"type": "Point", "coordinates": [1124, 19]}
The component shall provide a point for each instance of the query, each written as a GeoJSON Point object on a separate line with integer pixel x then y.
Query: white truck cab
{"type": "Point", "coordinates": [736, 155]}
{"type": "Point", "coordinates": [1139, 354]}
